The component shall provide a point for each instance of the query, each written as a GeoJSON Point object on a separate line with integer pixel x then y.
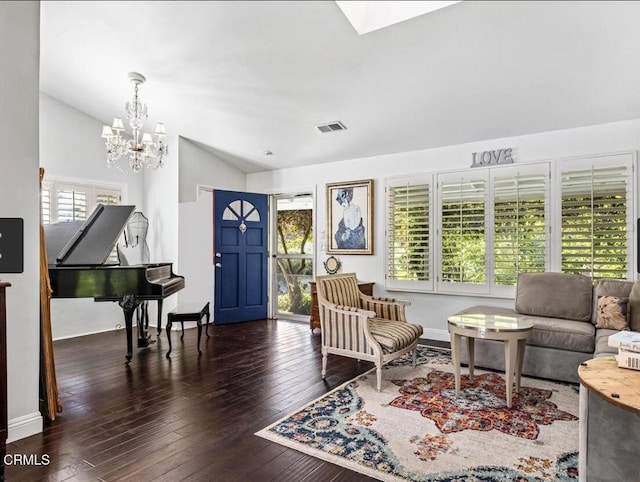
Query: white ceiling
{"type": "Point", "coordinates": [241, 78]}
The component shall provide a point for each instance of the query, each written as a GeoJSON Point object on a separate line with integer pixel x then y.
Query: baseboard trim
{"type": "Point", "coordinates": [433, 334]}
{"type": "Point", "coordinates": [25, 426]}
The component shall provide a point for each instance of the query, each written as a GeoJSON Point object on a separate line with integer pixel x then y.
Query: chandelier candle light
{"type": "Point", "coordinates": [141, 150]}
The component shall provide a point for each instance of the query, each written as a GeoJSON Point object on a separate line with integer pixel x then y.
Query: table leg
{"type": "Point", "coordinates": [455, 358]}
{"type": "Point", "coordinates": [199, 334]}
{"type": "Point", "coordinates": [522, 345]}
{"type": "Point", "coordinates": [471, 352]}
{"type": "Point", "coordinates": [510, 361]}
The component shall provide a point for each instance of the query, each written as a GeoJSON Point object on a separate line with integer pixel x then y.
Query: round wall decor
{"type": "Point", "coordinates": [331, 265]}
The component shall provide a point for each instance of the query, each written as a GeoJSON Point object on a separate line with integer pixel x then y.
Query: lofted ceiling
{"type": "Point", "coordinates": [241, 78]}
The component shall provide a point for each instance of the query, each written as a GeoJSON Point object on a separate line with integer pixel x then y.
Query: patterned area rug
{"type": "Point", "coordinates": [416, 429]}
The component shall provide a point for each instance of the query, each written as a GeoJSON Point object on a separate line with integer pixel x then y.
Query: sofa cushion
{"type": "Point", "coordinates": [612, 313]}
{"type": "Point", "coordinates": [602, 343]}
{"type": "Point", "coordinates": [554, 295]}
{"type": "Point", "coordinates": [610, 287]}
{"type": "Point", "coordinates": [548, 332]}
{"type": "Point", "coordinates": [634, 307]}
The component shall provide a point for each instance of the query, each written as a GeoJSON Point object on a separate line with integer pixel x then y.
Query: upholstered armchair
{"type": "Point", "coordinates": [360, 326]}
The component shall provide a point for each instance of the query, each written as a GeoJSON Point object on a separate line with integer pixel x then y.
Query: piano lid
{"type": "Point", "coordinates": [87, 243]}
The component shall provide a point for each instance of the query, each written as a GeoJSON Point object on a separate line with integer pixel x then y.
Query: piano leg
{"type": "Point", "coordinates": [146, 316]}
{"type": "Point", "coordinates": [160, 316]}
{"type": "Point", "coordinates": [142, 319]}
{"type": "Point", "coordinates": [143, 326]}
{"type": "Point", "coordinates": [128, 303]}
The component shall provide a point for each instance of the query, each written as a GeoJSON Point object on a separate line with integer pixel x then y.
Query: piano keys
{"type": "Point", "coordinates": [81, 268]}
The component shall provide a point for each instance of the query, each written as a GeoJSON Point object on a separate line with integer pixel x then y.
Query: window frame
{"type": "Point", "coordinates": [92, 189]}
{"type": "Point", "coordinates": [409, 285]}
{"type": "Point", "coordinates": [543, 168]}
{"type": "Point", "coordinates": [464, 176]}
{"type": "Point", "coordinates": [629, 159]}
{"type": "Point", "coordinates": [552, 170]}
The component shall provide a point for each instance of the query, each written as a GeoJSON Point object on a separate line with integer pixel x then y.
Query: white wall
{"type": "Point", "coordinates": [161, 208]}
{"type": "Point", "coordinates": [199, 167]}
{"type": "Point", "coordinates": [431, 310]}
{"type": "Point", "coordinates": [19, 198]}
{"type": "Point", "coordinates": [71, 149]}
{"type": "Point", "coordinates": [195, 252]}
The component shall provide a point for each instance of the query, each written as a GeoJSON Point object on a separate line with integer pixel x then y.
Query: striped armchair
{"type": "Point", "coordinates": [360, 326]}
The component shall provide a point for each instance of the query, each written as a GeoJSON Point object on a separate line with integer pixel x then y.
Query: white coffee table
{"type": "Point", "coordinates": [512, 331]}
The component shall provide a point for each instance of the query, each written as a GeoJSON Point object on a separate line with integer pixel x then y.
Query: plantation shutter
{"type": "Point", "coordinates": [595, 220]}
{"type": "Point", "coordinates": [409, 235]}
{"type": "Point", "coordinates": [71, 204]}
{"type": "Point", "coordinates": [107, 196]}
{"type": "Point", "coordinates": [45, 203]}
{"type": "Point", "coordinates": [463, 232]}
{"type": "Point", "coordinates": [520, 224]}
{"type": "Point", "coordinates": [62, 203]}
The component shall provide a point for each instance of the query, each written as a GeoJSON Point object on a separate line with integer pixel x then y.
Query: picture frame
{"type": "Point", "coordinates": [350, 217]}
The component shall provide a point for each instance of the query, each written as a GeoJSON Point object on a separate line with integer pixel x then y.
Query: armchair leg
{"type": "Point", "coordinates": [379, 377]}
{"type": "Point", "coordinates": [324, 364]}
{"type": "Point", "coordinates": [415, 352]}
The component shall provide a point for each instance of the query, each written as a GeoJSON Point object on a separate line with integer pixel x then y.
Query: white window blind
{"type": "Point", "coordinates": [45, 204]}
{"type": "Point", "coordinates": [462, 205]}
{"type": "Point", "coordinates": [595, 221]}
{"type": "Point", "coordinates": [63, 202]}
{"type": "Point", "coordinates": [107, 196]}
{"type": "Point", "coordinates": [519, 223]}
{"type": "Point", "coordinates": [71, 203]}
{"type": "Point", "coordinates": [409, 234]}
{"type": "Point", "coordinates": [487, 225]}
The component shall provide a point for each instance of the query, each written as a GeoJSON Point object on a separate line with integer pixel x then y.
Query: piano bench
{"type": "Point", "coordinates": [188, 312]}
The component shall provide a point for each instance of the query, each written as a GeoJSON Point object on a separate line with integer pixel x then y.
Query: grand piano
{"type": "Point", "coordinates": [78, 254]}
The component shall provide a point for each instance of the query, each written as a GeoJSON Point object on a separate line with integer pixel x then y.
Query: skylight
{"type": "Point", "coordinates": [369, 16]}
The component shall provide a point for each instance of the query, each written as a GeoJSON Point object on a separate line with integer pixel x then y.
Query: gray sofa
{"type": "Point", "coordinates": [563, 309]}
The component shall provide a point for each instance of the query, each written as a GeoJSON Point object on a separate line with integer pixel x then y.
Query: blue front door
{"type": "Point", "coordinates": [240, 243]}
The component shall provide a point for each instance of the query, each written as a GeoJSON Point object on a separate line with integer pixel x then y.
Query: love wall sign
{"type": "Point", "coordinates": [492, 158]}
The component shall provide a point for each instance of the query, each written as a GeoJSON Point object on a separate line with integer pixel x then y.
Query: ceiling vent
{"type": "Point", "coordinates": [331, 127]}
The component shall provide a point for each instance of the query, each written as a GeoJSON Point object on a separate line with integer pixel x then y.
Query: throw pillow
{"type": "Point", "coordinates": [612, 313]}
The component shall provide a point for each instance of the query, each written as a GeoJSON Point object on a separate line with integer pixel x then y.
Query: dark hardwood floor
{"type": "Point", "coordinates": [188, 417]}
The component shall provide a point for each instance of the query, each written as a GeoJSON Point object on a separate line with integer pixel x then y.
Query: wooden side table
{"type": "Point", "coordinates": [366, 287]}
{"type": "Point", "coordinates": [512, 331]}
{"type": "Point", "coordinates": [609, 421]}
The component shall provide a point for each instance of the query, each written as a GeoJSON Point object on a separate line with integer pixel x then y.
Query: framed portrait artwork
{"type": "Point", "coordinates": [350, 217]}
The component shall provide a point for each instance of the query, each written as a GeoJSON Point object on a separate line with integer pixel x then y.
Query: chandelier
{"type": "Point", "coordinates": [141, 150]}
